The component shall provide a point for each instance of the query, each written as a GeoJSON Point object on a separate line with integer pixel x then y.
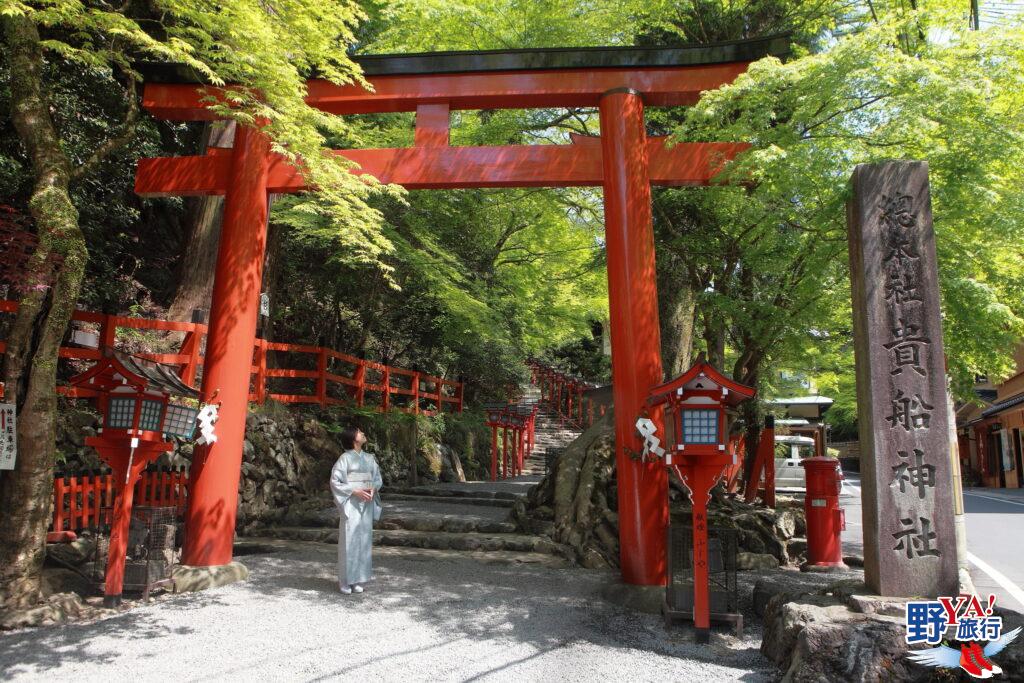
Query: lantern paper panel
{"type": "Point", "coordinates": [699, 426]}
{"type": "Point", "coordinates": [149, 416]}
{"type": "Point", "coordinates": [120, 413]}
{"type": "Point", "coordinates": [180, 421]}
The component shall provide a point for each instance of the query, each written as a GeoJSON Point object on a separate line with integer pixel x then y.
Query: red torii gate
{"type": "Point", "coordinates": [624, 161]}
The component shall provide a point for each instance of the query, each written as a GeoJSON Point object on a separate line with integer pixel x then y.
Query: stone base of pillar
{"type": "Point", "coordinates": [188, 579]}
{"type": "Point", "coordinates": [825, 568]}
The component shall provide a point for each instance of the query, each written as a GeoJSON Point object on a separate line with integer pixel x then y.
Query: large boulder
{"type": "Point", "coordinates": [835, 633]}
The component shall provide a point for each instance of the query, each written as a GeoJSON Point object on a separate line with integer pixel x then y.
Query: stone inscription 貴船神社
{"type": "Point", "coordinates": [909, 535]}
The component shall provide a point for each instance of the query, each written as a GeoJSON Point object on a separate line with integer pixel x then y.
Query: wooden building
{"type": "Point", "coordinates": [990, 432]}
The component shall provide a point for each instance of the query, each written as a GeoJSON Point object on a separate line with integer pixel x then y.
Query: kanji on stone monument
{"type": "Point", "coordinates": [909, 536]}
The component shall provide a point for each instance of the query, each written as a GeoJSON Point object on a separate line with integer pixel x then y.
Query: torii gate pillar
{"type": "Point", "coordinates": [635, 334]}
{"type": "Point", "coordinates": [213, 489]}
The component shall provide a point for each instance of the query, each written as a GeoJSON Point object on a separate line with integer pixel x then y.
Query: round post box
{"type": "Point", "coordinates": [825, 520]}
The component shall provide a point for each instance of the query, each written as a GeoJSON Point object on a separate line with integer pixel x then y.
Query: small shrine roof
{"type": "Point", "coordinates": [122, 368]}
{"type": "Point", "coordinates": [736, 392]}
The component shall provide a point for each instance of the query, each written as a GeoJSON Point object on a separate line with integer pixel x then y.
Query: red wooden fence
{"type": "Point", "coordinates": [337, 378]}
{"type": "Point", "coordinates": [564, 394]}
{"type": "Point", "coordinates": [86, 500]}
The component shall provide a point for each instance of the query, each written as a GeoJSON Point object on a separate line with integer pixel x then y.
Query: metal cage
{"type": "Point", "coordinates": [723, 546]}
{"type": "Point", "coordinates": [152, 550]}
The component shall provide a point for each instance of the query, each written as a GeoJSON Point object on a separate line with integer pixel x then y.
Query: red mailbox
{"type": "Point", "coordinates": [825, 519]}
{"type": "Point", "coordinates": [697, 436]}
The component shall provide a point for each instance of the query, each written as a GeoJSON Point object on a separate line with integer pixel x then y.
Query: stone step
{"type": "Point", "coordinates": [443, 492]}
{"type": "Point", "coordinates": [432, 515]}
{"type": "Point", "coordinates": [457, 500]}
{"type": "Point", "coordinates": [435, 540]}
{"type": "Point", "coordinates": [449, 523]}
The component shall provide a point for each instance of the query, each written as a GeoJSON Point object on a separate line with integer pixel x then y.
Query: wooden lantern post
{"type": "Point", "coordinates": [134, 399]}
{"type": "Point", "coordinates": [698, 403]}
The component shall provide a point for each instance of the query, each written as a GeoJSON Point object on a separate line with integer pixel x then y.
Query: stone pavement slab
{"type": "Point", "coordinates": [440, 618]}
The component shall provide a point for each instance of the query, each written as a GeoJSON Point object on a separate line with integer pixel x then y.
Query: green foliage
{"type": "Point", "coordinates": [266, 53]}
{"type": "Point", "coordinates": [880, 92]}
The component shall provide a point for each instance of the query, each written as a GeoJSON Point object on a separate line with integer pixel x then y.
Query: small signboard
{"type": "Point", "coordinates": [265, 305]}
{"type": "Point", "coordinates": [8, 436]}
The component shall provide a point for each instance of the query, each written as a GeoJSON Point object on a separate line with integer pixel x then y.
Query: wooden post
{"type": "Point", "coordinates": [261, 371]}
{"type": "Point", "coordinates": [386, 380]}
{"type": "Point", "coordinates": [108, 334]}
{"type": "Point", "coordinates": [635, 335]}
{"type": "Point", "coordinates": [321, 377]}
{"type": "Point", "coordinates": [190, 347]}
{"type": "Point", "coordinates": [504, 452]}
{"type": "Point", "coordinates": [416, 393]}
{"type": "Point", "coordinates": [216, 468]}
{"type": "Point", "coordinates": [360, 378]}
{"type": "Point", "coordinates": [494, 452]}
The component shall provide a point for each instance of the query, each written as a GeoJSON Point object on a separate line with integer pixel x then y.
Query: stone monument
{"type": "Point", "coordinates": [909, 536]}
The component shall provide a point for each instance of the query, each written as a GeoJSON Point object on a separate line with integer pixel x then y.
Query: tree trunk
{"type": "Point", "coordinates": [57, 268]}
{"type": "Point", "coordinates": [579, 495]}
{"type": "Point", "coordinates": [272, 274]}
{"type": "Point", "coordinates": [199, 256]}
{"type": "Point", "coordinates": [677, 304]}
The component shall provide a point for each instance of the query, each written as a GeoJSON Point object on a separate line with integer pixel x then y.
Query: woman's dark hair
{"type": "Point", "coordinates": [348, 437]}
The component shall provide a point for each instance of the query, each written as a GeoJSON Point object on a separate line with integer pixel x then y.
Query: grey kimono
{"type": "Point", "coordinates": [355, 470]}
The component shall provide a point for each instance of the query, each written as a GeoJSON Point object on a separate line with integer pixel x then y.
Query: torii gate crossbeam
{"type": "Point", "coordinates": [624, 161]}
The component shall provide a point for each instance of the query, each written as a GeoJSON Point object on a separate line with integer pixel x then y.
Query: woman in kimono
{"type": "Point", "coordinates": [355, 484]}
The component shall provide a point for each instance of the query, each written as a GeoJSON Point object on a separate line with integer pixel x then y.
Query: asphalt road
{"type": "Point", "coordinates": [995, 538]}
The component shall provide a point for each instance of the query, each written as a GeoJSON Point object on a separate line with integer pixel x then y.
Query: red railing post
{"type": "Point", "coordinates": [321, 377]}
{"type": "Point", "coordinates": [386, 380]}
{"type": "Point", "coordinates": [522, 448]}
{"type": "Point", "coordinates": [98, 484]}
{"type": "Point", "coordinates": [360, 378]}
{"type": "Point", "coordinates": [58, 504]}
{"type": "Point", "coordinates": [504, 452]}
{"type": "Point", "coordinates": [86, 490]}
{"type": "Point", "coordinates": [73, 489]}
{"type": "Point", "coordinates": [416, 393]}
{"type": "Point", "coordinates": [261, 371]}
{"type": "Point", "coordinates": [190, 347]}
{"type": "Point", "coordinates": [494, 452]}
{"type": "Point", "coordinates": [108, 333]}
{"type": "Point", "coordinates": [768, 436]}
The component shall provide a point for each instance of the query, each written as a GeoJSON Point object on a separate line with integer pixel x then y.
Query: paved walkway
{"type": "Point", "coordinates": [431, 615]}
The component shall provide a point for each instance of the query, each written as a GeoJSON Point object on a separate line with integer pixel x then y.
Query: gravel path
{"type": "Point", "coordinates": [430, 616]}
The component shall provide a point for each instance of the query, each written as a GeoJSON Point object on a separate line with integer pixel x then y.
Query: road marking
{"type": "Point", "coordinates": [998, 577]}
{"type": "Point", "coordinates": [995, 498]}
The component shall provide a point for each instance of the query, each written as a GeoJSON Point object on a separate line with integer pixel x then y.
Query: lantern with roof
{"type": "Point", "coordinates": [699, 405]}
{"type": "Point", "coordinates": [142, 404]}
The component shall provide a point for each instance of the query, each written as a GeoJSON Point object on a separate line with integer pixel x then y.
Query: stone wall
{"type": "Point", "coordinates": [576, 505]}
{"type": "Point", "coordinates": [288, 453]}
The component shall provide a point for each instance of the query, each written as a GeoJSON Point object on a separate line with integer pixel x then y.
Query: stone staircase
{"type": "Point", "coordinates": [472, 518]}
{"type": "Point", "coordinates": [550, 432]}
{"type": "Point", "coordinates": [467, 517]}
